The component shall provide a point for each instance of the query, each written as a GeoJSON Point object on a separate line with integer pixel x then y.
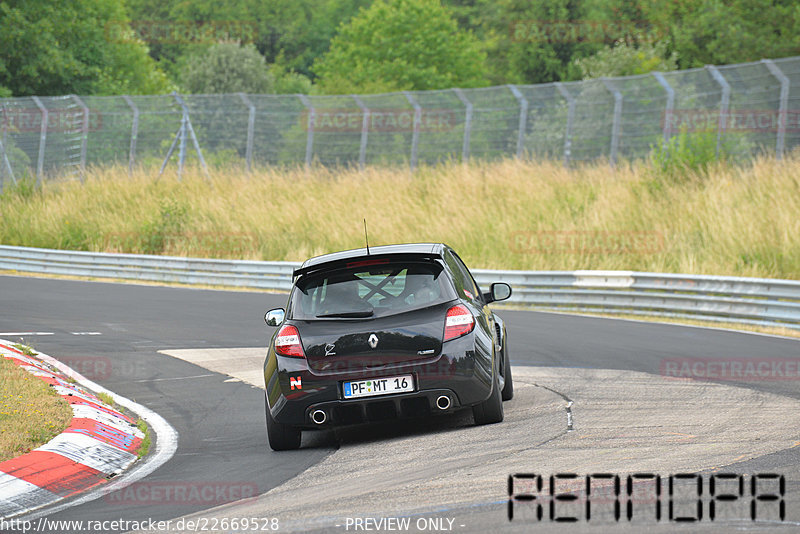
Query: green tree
{"type": "Point", "coordinates": [290, 32]}
{"type": "Point", "coordinates": [623, 59]}
{"type": "Point", "coordinates": [54, 48]}
{"type": "Point", "coordinates": [723, 32]}
{"type": "Point", "coordinates": [227, 68]}
{"type": "Point", "coordinates": [538, 42]}
{"type": "Point", "coordinates": [401, 45]}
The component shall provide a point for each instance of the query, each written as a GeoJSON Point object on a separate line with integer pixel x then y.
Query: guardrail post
{"type": "Point", "coordinates": [467, 124]}
{"type": "Point", "coordinates": [523, 118]}
{"type": "Point", "coordinates": [84, 133]}
{"type": "Point", "coordinates": [570, 119]}
{"type": "Point", "coordinates": [251, 125]}
{"type": "Point", "coordinates": [668, 109]}
{"type": "Point", "coordinates": [134, 134]}
{"type": "Point", "coordinates": [312, 119]}
{"type": "Point", "coordinates": [783, 112]}
{"type": "Point", "coordinates": [417, 122]}
{"type": "Point", "coordinates": [362, 149]}
{"type": "Point", "coordinates": [42, 139]}
{"type": "Point", "coordinates": [723, 104]}
{"type": "Point", "coordinates": [615, 127]}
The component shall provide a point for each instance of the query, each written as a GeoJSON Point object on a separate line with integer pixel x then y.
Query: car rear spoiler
{"type": "Point", "coordinates": [365, 260]}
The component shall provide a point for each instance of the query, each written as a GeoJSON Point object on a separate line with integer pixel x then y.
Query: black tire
{"type": "Point", "coordinates": [282, 437]}
{"type": "Point", "coordinates": [489, 411]}
{"type": "Point", "coordinates": [508, 387]}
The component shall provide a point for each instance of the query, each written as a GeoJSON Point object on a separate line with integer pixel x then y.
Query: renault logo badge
{"type": "Point", "coordinates": [373, 341]}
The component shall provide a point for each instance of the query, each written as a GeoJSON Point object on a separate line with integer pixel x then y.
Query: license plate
{"type": "Point", "coordinates": [378, 386]}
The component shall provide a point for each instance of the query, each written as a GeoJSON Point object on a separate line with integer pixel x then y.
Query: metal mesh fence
{"type": "Point", "coordinates": [739, 110]}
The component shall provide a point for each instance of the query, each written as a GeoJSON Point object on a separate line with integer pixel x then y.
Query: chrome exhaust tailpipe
{"type": "Point", "coordinates": [319, 416]}
{"type": "Point", "coordinates": [443, 402]}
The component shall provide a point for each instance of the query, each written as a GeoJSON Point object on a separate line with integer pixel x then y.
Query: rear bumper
{"type": "Point", "coordinates": [375, 409]}
{"type": "Point", "coordinates": [294, 392]}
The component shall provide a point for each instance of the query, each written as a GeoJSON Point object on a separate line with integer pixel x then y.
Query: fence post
{"type": "Point", "coordinates": [615, 127]}
{"type": "Point", "coordinates": [783, 112]}
{"type": "Point", "coordinates": [186, 128]}
{"type": "Point", "coordinates": [312, 119]}
{"type": "Point", "coordinates": [523, 118]}
{"type": "Point", "coordinates": [84, 133]}
{"type": "Point", "coordinates": [134, 134]}
{"type": "Point", "coordinates": [362, 149]}
{"type": "Point", "coordinates": [417, 121]}
{"type": "Point", "coordinates": [7, 166]}
{"type": "Point", "coordinates": [467, 123]}
{"type": "Point", "coordinates": [723, 104]}
{"type": "Point", "coordinates": [669, 107]}
{"type": "Point", "coordinates": [42, 139]}
{"type": "Point", "coordinates": [182, 145]}
{"type": "Point", "coordinates": [251, 125]}
{"type": "Point", "coordinates": [3, 149]}
{"type": "Point", "coordinates": [570, 119]}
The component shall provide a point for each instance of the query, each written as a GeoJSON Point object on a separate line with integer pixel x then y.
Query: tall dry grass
{"type": "Point", "coordinates": [508, 214]}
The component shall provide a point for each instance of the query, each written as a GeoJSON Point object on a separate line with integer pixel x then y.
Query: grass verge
{"type": "Point", "coordinates": [511, 214]}
{"type": "Point", "coordinates": [31, 413]}
{"type": "Point", "coordinates": [144, 448]}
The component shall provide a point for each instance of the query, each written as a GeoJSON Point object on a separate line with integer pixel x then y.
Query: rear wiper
{"type": "Point", "coordinates": [354, 314]}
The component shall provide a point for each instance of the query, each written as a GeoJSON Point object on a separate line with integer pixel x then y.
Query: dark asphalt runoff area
{"type": "Point", "coordinates": [116, 330]}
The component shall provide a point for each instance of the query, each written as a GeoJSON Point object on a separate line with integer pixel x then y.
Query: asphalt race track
{"type": "Point", "coordinates": [591, 398]}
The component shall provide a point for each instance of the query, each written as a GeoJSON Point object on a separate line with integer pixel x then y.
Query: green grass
{"type": "Point", "coordinates": [25, 349]}
{"type": "Point", "coordinates": [144, 448]}
{"type": "Point", "coordinates": [107, 399]}
{"type": "Point", "coordinates": [716, 219]}
{"type": "Point", "coordinates": [31, 413]}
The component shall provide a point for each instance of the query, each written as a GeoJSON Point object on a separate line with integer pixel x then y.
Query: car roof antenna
{"type": "Point", "coordinates": [366, 239]}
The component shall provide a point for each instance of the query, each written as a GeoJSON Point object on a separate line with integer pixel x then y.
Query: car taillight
{"type": "Point", "coordinates": [287, 342]}
{"type": "Point", "coordinates": [459, 321]}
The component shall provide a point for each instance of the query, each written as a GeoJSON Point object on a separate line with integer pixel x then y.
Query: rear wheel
{"type": "Point", "coordinates": [508, 386]}
{"type": "Point", "coordinates": [491, 410]}
{"type": "Point", "coordinates": [281, 437]}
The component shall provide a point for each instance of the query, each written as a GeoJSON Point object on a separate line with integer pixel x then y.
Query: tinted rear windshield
{"type": "Point", "coordinates": [370, 291]}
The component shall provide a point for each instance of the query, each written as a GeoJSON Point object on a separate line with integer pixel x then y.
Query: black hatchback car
{"type": "Point", "coordinates": [388, 332]}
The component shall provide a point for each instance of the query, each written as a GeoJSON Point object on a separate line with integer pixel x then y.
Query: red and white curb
{"type": "Point", "coordinates": [99, 444]}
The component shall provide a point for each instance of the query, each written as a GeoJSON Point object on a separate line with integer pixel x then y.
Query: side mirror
{"type": "Point", "coordinates": [499, 291]}
{"type": "Point", "coordinates": [274, 317]}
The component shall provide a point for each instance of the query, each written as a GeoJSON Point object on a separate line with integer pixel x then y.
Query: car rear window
{"type": "Point", "coordinates": [370, 291]}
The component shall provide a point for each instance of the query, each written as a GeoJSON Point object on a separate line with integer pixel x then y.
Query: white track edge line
{"type": "Point", "coordinates": [166, 444]}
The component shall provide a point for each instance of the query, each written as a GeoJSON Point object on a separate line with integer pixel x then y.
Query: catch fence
{"type": "Point", "coordinates": [739, 110]}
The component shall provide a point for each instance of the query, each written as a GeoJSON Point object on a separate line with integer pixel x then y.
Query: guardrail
{"type": "Point", "coordinates": [716, 298]}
